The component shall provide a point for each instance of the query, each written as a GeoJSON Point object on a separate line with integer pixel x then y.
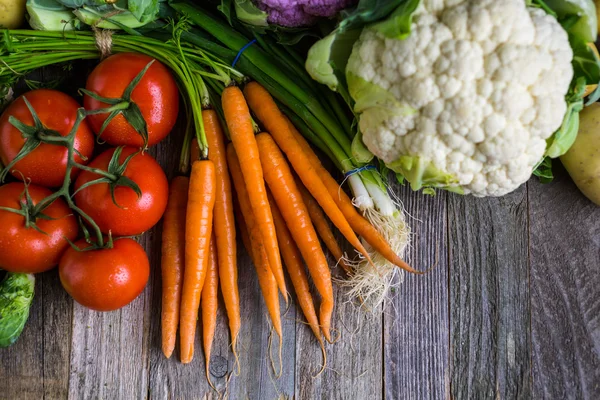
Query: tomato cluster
{"type": "Point", "coordinates": [131, 101]}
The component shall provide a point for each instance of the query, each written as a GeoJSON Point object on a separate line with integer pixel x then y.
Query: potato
{"type": "Point", "coordinates": [12, 13]}
{"type": "Point", "coordinates": [582, 161]}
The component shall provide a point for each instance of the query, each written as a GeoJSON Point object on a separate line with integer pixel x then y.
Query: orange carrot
{"type": "Point", "coordinates": [209, 304]}
{"type": "Point", "coordinates": [268, 113]}
{"type": "Point", "coordinates": [243, 195]}
{"type": "Point", "coordinates": [295, 268]}
{"type": "Point", "coordinates": [224, 224]}
{"type": "Point", "coordinates": [289, 201]}
{"type": "Point", "coordinates": [198, 229]}
{"type": "Point", "coordinates": [357, 221]}
{"type": "Point", "coordinates": [266, 280]}
{"type": "Point", "coordinates": [172, 261]}
{"type": "Point", "coordinates": [322, 226]}
{"type": "Point", "coordinates": [241, 130]}
{"type": "Point", "coordinates": [268, 286]}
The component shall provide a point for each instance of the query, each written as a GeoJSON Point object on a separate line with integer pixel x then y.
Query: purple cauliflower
{"type": "Point", "coordinates": [297, 13]}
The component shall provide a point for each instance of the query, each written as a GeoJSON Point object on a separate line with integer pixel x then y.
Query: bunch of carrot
{"type": "Point", "coordinates": [283, 196]}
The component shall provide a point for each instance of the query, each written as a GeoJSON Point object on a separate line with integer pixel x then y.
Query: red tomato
{"type": "Point", "coordinates": [133, 215]}
{"type": "Point", "coordinates": [24, 249]}
{"type": "Point", "coordinates": [45, 165]}
{"type": "Point", "coordinates": [105, 279]}
{"type": "Point", "coordinates": [156, 95]}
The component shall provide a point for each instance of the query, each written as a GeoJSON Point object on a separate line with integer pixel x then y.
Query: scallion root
{"type": "Point", "coordinates": [370, 283]}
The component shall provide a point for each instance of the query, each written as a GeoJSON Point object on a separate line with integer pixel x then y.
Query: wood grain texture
{"type": "Point", "coordinates": [354, 362]}
{"type": "Point", "coordinates": [58, 320]}
{"type": "Point", "coordinates": [489, 297]}
{"type": "Point", "coordinates": [565, 291]}
{"type": "Point", "coordinates": [416, 360]}
{"type": "Point", "coordinates": [22, 364]}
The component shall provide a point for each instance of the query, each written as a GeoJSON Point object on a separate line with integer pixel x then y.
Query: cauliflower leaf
{"type": "Point", "coordinates": [327, 58]}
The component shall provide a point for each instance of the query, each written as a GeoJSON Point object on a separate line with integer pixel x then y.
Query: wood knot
{"type": "Point", "coordinates": [218, 366]}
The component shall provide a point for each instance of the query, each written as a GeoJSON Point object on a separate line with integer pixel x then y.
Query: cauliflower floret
{"type": "Point", "coordinates": [485, 81]}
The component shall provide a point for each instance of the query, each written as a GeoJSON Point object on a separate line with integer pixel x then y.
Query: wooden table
{"type": "Point", "coordinates": [512, 310]}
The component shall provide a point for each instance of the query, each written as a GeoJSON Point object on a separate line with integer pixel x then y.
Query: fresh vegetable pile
{"type": "Point", "coordinates": [468, 96]}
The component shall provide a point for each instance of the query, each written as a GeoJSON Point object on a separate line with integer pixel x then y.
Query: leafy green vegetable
{"type": "Point", "coordinates": [124, 19]}
{"type": "Point", "coordinates": [422, 174]}
{"type": "Point", "coordinates": [544, 171]}
{"type": "Point", "coordinates": [58, 15]}
{"type": "Point", "coordinates": [254, 19]}
{"type": "Point", "coordinates": [397, 25]}
{"type": "Point", "coordinates": [581, 12]}
{"type": "Point", "coordinates": [16, 296]}
{"type": "Point", "coordinates": [81, 3]}
{"type": "Point", "coordinates": [50, 15]}
{"type": "Point", "coordinates": [565, 136]}
{"type": "Point", "coordinates": [248, 13]}
{"type": "Point", "coordinates": [143, 10]}
{"type": "Point", "coordinates": [327, 59]}
{"type": "Point", "coordinates": [359, 151]}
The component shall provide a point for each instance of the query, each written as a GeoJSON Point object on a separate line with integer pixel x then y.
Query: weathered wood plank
{"type": "Point", "coordinates": [565, 290]}
{"type": "Point", "coordinates": [416, 322]}
{"type": "Point", "coordinates": [57, 315]}
{"type": "Point", "coordinates": [489, 297]}
{"type": "Point", "coordinates": [22, 364]}
{"type": "Point", "coordinates": [256, 379]}
{"type": "Point", "coordinates": [354, 362]}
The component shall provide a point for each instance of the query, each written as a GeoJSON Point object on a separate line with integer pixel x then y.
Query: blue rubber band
{"type": "Point", "coordinates": [239, 54]}
{"type": "Point", "coordinates": [360, 169]}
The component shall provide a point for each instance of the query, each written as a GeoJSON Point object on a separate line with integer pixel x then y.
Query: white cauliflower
{"type": "Point", "coordinates": [469, 98]}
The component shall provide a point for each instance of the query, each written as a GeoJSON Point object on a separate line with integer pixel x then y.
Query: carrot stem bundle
{"type": "Point", "coordinates": [263, 105]}
{"type": "Point", "coordinates": [289, 201]}
{"type": "Point", "coordinates": [209, 305]}
{"type": "Point", "coordinates": [198, 230]}
{"type": "Point", "coordinates": [239, 122]}
{"type": "Point", "coordinates": [224, 224]}
{"type": "Point", "coordinates": [172, 261]}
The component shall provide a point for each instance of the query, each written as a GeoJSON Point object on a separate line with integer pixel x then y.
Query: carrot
{"type": "Point", "coordinates": [359, 223]}
{"type": "Point", "coordinates": [295, 268]}
{"type": "Point", "coordinates": [172, 261]}
{"type": "Point", "coordinates": [224, 224]}
{"type": "Point", "coordinates": [239, 122]}
{"type": "Point", "coordinates": [209, 304]}
{"type": "Point", "coordinates": [322, 226]}
{"type": "Point", "coordinates": [268, 286]}
{"type": "Point", "coordinates": [243, 195]}
{"type": "Point", "coordinates": [268, 113]}
{"type": "Point", "coordinates": [198, 229]}
{"type": "Point", "coordinates": [289, 201]}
